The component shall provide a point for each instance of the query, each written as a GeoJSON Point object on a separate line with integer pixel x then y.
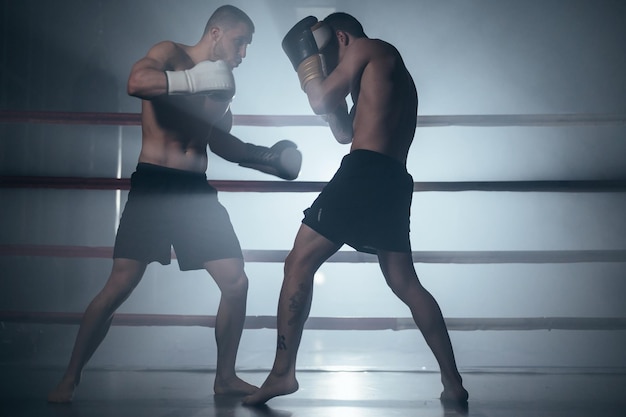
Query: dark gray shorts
{"type": "Point", "coordinates": [174, 208]}
{"type": "Point", "coordinates": [367, 204]}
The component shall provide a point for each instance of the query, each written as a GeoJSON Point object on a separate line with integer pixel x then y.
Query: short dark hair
{"type": "Point", "coordinates": [345, 22]}
{"type": "Point", "coordinates": [228, 16]}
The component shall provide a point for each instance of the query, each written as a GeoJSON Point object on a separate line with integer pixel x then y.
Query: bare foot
{"type": "Point", "coordinates": [272, 387]}
{"type": "Point", "coordinates": [233, 386]}
{"type": "Point", "coordinates": [455, 400]}
{"type": "Point", "coordinates": [63, 392]}
{"type": "Point", "coordinates": [454, 404]}
{"type": "Point", "coordinates": [453, 390]}
{"type": "Point", "coordinates": [456, 395]}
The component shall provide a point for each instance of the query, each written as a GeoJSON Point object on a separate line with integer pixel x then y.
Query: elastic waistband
{"type": "Point", "coordinates": [144, 167]}
{"type": "Point", "coordinates": [366, 157]}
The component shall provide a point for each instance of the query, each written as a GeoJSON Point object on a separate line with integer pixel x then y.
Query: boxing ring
{"type": "Point", "coordinates": [277, 256]}
{"type": "Point", "coordinates": [170, 386]}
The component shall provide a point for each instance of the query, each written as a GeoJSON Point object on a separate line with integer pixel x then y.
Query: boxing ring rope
{"type": "Point", "coordinates": [316, 186]}
{"type": "Point", "coordinates": [134, 119]}
{"type": "Point", "coordinates": [331, 323]}
{"type": "Point", "coordinates": [278, 256]}
{"type": "Point", "coordinates": [493, 120]}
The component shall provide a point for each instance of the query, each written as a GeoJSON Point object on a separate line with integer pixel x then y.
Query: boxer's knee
{"type": "Point", "coordinates": [235, 286]}
{"type": "Point", "coordinates": [229, 276]}
{"type": "Point", "coordinates": [125, 276]}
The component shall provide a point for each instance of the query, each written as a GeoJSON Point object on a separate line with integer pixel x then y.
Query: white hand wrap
{"type": "Point", "coordinates": [206, 77]}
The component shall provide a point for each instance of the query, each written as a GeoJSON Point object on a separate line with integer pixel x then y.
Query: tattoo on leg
{"type": "Point", "coordinates": [281, 344]}
{"type": "Point", "coordinates": [298, 303]}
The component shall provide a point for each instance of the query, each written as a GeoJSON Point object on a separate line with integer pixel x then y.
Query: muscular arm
{"type": "Point", "coordinates": [225, 145]}
{"type": "Point", "coordinates": [147, 78]}
{"type": "Point", "coordinates": [328, 96]}
{"type": "Point", "coordinates": [340, 123]}
{"type": "Point", "coordinates": [331, 103]}
{"type": "Point", "coordinates": [282, 159]}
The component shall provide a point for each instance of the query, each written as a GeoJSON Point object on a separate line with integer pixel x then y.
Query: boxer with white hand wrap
{"type": "Point", "coordinates": [185, 92]}
{"type": "Point", "coordinates": [214, 78]}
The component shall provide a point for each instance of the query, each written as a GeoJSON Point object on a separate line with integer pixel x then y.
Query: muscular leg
{"type": "Point", "coordinates": [309, 252]}
{"type": "Point", "coordinates": [231, 315]}
{"type": "Point", "coordinates": [401, 277]}
{"type": "Point", "coordinates": [96, 322]}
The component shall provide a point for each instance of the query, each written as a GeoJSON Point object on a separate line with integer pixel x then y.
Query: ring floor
{"type": "Point", "coordinates": [136, 393]}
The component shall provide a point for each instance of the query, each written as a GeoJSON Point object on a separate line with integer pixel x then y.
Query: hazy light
{"type": "Point", "coordinates": [345, 385]}
{"type": "Point", "coordinates": [319, 278]}
{"type": "Point", "coordinates": [118, 175]}
{"type": "Point", "coordinates": [319, 12]}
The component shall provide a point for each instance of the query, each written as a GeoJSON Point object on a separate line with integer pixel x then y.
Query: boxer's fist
{"type": "Point", "coordinates": [213, 78]}
{"type": "Point", "coordinates": [302, 45]}
{"type": "Point", "coordinates": [282, 160]}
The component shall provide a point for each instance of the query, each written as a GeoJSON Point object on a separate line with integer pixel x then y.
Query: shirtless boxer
{"type": "Point", "coordinates": [367, 203]}
{"type": "Point", "coordinates": [186, 93]}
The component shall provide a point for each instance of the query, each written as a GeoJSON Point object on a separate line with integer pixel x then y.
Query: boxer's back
{"type": "Point", "coordinates": [385, 99]}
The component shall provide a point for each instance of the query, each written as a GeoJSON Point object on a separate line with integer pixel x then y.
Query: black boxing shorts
{"type": "Point", "coordinates": [174, 208]}
{"type": "Point", "coordinates": [366, 204]}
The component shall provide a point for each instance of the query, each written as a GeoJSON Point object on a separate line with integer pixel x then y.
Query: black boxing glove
{"type": "Point", "coordinates": [282, 160]}
{"type": "Point", "coordinates": [302, 45]}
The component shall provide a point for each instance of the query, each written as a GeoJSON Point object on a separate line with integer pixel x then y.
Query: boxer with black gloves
{"type": "Point", "coordinates": [367, 202]}
{"type": "Point", "coordinates": [303, 45]}
{"type": "Point", "coordinates": [311, 47]}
